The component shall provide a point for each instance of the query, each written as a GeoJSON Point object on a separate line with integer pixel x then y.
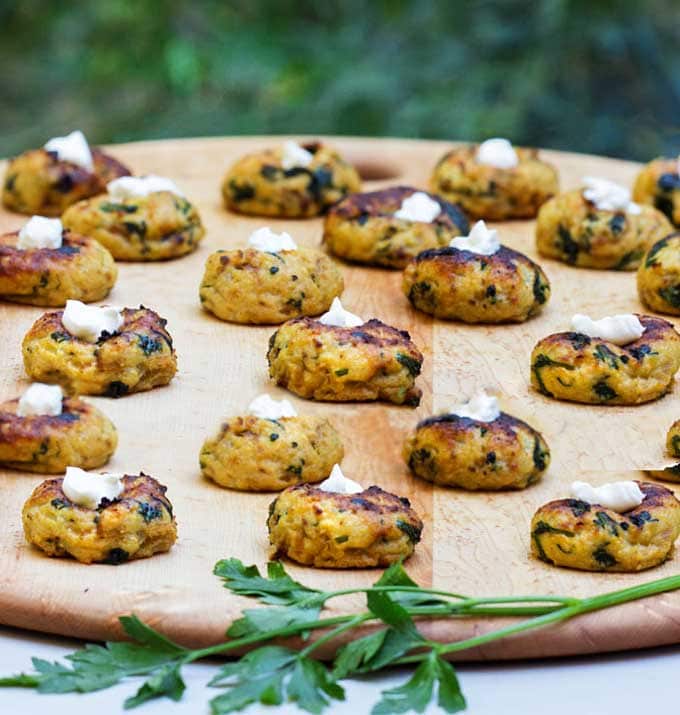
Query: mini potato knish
{"type": "Point", "coordinates": [256, 454]}
{"type": "Point", "coordinates": [80, 269]}
{"type": "Point", "coordinates": [251, 286]}
{"type": "Point", "coordinates": [579, 535]}
{"type": "Point", "coordinates": [136, 525]}
{"type": "Point", "coordinates": [373, 361]}
{"type": "Point", "coordinates": [575, 367]}
{"type": "Point", "coordinates": [330, 530]}
{"type": "Point", "coordinates": [259, 185]}
{"type": "Point", "coordinates": [38, 182]}
{"type": "Point", "coordinates": [81, 436]}
{"type": "Point", "coordinates": [573, 230]}
{"type": "Point", "coordinates": [455, 284]}
{"type": "Point", "coordinates": [362, 228]}
{"type": "Point", "coordinates": [156, 227]}
{"type": "Point", "coordinates": [658, 185]}
{"type": "Point", "coordinates": [488, 192]}
{"type": "Point", "coordinates": [658, 278]}
{"type": "Point", "coordinates": [138, 357]}
{"type": "Point", "coordinates": [453, 451]}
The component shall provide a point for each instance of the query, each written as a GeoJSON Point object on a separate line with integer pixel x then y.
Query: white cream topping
{"type": "Point", "coordinates": [497, 152]}
{"type": "Point", "coordinates": [339, 317]}
{"type": "Point", "coordinates": [617, 496]}
{"type": "Point", "coordinates": [267, 408]}
{"type": "Point", "coordinates": [135, 187]}
{"type": "Point", "coordinates": [608, 195]}
{"type": "Point", "coordinates": [73, 148]}
{"type": "Point", "coordinates": [618, 329]}
{"type": "Point", "coordinates": [338, 483]}
{"type": "Point", "coordinates": [480, 240]}
{"type": "Point", "coordinates": [294, 155]}
{"type": "Point", "coordinates": [264, 239]}
{"type": "Point", "coordinates": [481, 407]}
{"type": "Point", "coordinates": [89, 489]}
{"type": "Point", "coordinates": [418, 207]}
{"type": "Point", "coordinates": [40, 399]}
{"type": "Point", "coordinates": [40, 232]}
{"type": "Point", "coordinates": [88, 322]}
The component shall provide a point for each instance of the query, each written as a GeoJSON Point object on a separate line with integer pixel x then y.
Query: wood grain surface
{"type": "Point", "coordinates": [476, 544]}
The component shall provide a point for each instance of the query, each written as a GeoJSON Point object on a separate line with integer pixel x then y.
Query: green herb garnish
{"type": "Point", "coordinates": [272, 674]}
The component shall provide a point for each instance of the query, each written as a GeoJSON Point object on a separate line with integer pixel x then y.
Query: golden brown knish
{"type": "Point", "coordinates": [658, 277]}
{"type": "Point", "coordinates": [330, 530]}
{"type": "Point", "coordinates": [251, 286]}
{"type": "Point", "coordinates": [257, 184]}
{"type": "Point", "coordinates": [455, 284]}
{"type": "Point", "coordinates": [321, 362]}
{"type": "Point", "coordinates": [487, 192]}
{"type": "Point", "coordinates": [658, 185]}
{"type": "Point", "coordinates": [672, 473]}
{"type": "Point", "coordinates": [37, 182]}
{"type": "Point", "coordinates": [136, 358]}
{"type": "Point", "coordinates": [454, 451]}
{"type": "Point", "coordinates": [574, 367]}
{"type": "Point", "coordinates": [81, 436]}
{"type": "Point", "coordinates": [138, 524]}
{"type": "Point", "coordinates": [578, 535]}
{"type": "Point", "coordinates": [362, 228]}
{"type": "Point", "coordinates": [256, 454]}
{"type": "Point", "coordinates": [156, 227]}
{"type": "Point", "coordinates": [81, 269]}
{"type": "Point", "coordinates": [573, 230]}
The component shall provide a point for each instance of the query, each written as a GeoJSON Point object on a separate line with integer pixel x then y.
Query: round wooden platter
{"type": "Point", "coordinates": [477, 544]}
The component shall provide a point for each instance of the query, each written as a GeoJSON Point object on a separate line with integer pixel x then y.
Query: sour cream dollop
{"type": "Point", "coordinates": [136, 187]}
{"type": "Point", "coordinates": [481, 240]}
{"type": "Point", "coordinates": [72, 148]}
{"type": "Point", "coordinates": [40, 232]}
{"type": "Point", "coordinates": [88, 322]}
{"type": "Point", "coordinates": [89, 489]}
{"type": "Point", "coordinates": [617, 496]}
{"type": "Point", "coordinates": [267, 408]}
{"type": "Point", "coordinates": [41, 399]}
{"type": "Point", "coordinates": [339, 317]}
{"type": "Point", "coordinates": [418, 207]}
{"type": "Point", "coordinates": [295, 155]}
{"type": "Point", "coordinates": [481, 407]}
{"type": "Point", "coordinates": [264, 239]}
{"type": "Point", "coordinates": [618, 329]}
{"type": "Point", "coordinates": [338, 483]}
{"type": "Point", "coordinates": [608, 195]}
{"type": "Point", "coordinates": [497, 152]}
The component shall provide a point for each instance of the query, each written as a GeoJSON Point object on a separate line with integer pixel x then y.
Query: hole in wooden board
{"type": "Point", "coordinates": [376, 169]}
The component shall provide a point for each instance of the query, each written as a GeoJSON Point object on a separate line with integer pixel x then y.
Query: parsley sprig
{"type": "Point", "coordinates": [272, 674]}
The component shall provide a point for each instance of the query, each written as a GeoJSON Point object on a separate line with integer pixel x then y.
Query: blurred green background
{"type": "Point", "coordinates": [593, 76]}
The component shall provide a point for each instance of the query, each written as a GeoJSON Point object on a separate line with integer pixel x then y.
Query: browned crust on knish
{"type": "Point", "coordinates": [386, 201]}
{"type": "Point", "coordinates": [136, 488]}
{"type": "Point", "coordinates": [654, 496]}
{"type": "Point", "coordinates": [656, 329]}
{"type": "Point", "coordinates": [373, 499]}
{"type": "Point", "coordinates": [14, 261]}
{"type": "Point", "coordinates": [15, 429]}
{"type": "Point", "coordinates": [135, 321]}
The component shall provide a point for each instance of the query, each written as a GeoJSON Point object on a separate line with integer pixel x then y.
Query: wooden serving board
{"type": "Point", "coordinates": [477, 544]}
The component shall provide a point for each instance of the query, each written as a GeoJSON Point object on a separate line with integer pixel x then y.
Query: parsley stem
{"type": "Point", "coordinates": [335, 632]}
{"type": "Point", "coordinates": [581, 606]}
{"type": "Point", "coordinates": [286, 632]}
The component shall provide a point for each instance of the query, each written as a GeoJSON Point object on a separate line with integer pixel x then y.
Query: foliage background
{"type": "Point", "coordinates": [598, 76]}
